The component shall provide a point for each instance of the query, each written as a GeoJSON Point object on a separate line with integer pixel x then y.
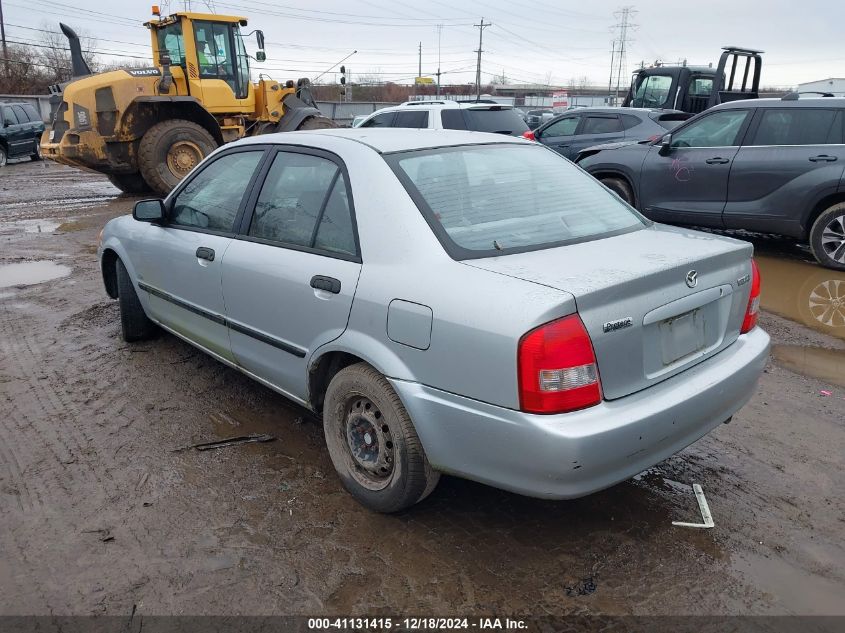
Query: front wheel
{"type": "Point", "coordinates": [620, 188]}
{"type": "Point", "coordinates": [372, 442]}
{"type": "Point", "coordinates": [3, 156]}
{"type": "Point", "coordinates": [827, 237]}
{"type": "Point", "coordinates": [169, 150]}
{"type": "Point", "coordinates": [135, 324]}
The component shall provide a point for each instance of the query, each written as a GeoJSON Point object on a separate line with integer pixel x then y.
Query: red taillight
{"type": "Point", "coordinates": [529, 135]}
{"type": "Point", "coordinates": [557, 368]}
{"type": "Point", "coordinates": [753, 308]}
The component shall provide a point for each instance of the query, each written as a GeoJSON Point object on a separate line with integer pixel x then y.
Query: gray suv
{"type": "Point", "coordinates": [768, 165]}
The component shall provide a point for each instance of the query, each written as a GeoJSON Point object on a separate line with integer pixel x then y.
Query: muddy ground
{"type": "Point", "coordinates": [100, 512]}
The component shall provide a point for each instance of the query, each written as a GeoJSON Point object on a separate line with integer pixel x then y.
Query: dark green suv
{"type": "Point", "coordinates": [20, 132]}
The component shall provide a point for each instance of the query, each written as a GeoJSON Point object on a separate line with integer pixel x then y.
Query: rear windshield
{"type": "Point", "coordinates": [500, 120]}
{"type": "Point", "coordinates": [485, 200]}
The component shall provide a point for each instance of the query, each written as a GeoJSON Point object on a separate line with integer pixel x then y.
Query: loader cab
{"type": "Point", "coordinates": [208, 59]}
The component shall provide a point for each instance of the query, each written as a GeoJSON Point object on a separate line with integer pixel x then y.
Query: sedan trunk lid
{"type": "Point", "coordinates": [650, 313]}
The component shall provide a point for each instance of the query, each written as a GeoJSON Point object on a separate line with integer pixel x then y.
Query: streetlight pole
{"type": "Point", "coordinates": [3, 37]}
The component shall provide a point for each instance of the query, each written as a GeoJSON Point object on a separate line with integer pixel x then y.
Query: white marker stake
{"type": "Point", "coordinates": [705, 511]}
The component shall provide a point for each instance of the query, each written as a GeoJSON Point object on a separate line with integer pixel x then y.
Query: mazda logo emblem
{"type": "Point", "coordinates": [692, 279]}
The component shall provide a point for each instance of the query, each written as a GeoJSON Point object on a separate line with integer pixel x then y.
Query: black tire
{"type": "Point", "coordinates": [3, 156]}
{"type": "Point", "coordinates": [169, 150]}
{"type": "Point", "coordinates": [620, 187]}
{"type": "Point", "coordinates": [133, 320]}
{"type": "Point", "coordinates": [36, 155]}
{"type": "Point", "coordinates": [317, 123]}
{"type": "Point", "coordinates": [827, 237]}
{"type": "Point", "coordinates": [130, 183]}
{"type": "Point", "coordinates": [391, 471]}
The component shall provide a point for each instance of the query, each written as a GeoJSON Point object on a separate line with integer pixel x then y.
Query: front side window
{"type": "Point", "coordinates": [491, 199]}
{"type": "Point", "coordinates": [719, 129]}
{"type": "Point", "coordinates": [171, 42]}
{"type": "Point", "coordinates": [601, 125]}
{"type": "Point", "coordinates": [304, 202]}
{"type": "Point", "coordinates": [380, 120]}
{"type": "Point", "coordinates": [212, 198]}
{"type": "Point", "coordinates": [799, 126]}
{"type": "Point", "coordinates": [652, 92]}
{"type": "Point", "coordinates": [563, 127]}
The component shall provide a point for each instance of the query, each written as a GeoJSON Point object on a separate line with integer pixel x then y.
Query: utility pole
{"type": "Point", "coordinates": [610, 100]}
{"type": "Point", "coordinates": [481, 28]}
{"type": "Point", "coordinates": [3, 37]}
{"type": "Point", "coordinates": [439, 30]}
{"type": "Point", "coordinates": [419, 72]}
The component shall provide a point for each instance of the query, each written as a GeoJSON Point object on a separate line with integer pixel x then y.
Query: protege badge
{"type": "Point", "coordinates": [618, 324]}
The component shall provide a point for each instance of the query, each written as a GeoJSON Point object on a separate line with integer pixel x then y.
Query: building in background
{"type": "Point", "coordinates": [834, 85]}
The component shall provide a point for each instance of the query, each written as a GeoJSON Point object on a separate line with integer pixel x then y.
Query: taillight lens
{"type": "Point", "coordinates": [557, 368]}
{"type": "Point", "coordinates": [529, 135]}
{"type": "Point", "coordinates": [753, 308]}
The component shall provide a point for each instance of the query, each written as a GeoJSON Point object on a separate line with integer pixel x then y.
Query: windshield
{"type": "Point", "coordinates": [482, 200]}
{"type": "Point", "coordinates": [652, 92]}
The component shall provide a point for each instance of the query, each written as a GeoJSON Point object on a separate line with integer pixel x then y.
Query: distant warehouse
{"type": "Point", "coordinates": [834, 85]}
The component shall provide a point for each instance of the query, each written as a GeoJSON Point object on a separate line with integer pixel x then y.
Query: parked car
{"type": "Point", "coordinates": [574, 131]}
{"type": "Point", "coordinates": [450, 115]}
{"type": "Point", "coordinates": [450, 302]}
{"type": "Point", "coordinates": [537, 117]}
{"type": "Point", "coordinates": [20, 133]}
{"type": "Point", "coordinates": [768, 165]}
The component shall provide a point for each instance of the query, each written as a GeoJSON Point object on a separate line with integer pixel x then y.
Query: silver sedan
{"type": "Point", "coordinates": [448, 302]}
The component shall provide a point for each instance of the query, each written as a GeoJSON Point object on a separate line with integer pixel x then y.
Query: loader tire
{"type": "Point", "coordinates": [129, 183]}
{"type": "Point", "coordinates": [317, 123]}
{"type": "Point", "coordinates": [171, 149]}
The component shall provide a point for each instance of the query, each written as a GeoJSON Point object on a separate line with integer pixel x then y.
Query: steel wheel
{"type": "Point", "coordinates": [833, 238]}
{"type": "Point", "coordinates": [369, 443]}
{"type": "Point", "coordinates": [182, 157]}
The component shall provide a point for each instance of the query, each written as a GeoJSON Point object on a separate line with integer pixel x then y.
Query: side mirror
{"type": "Point", "coordinates": [665, 144]}
{"type": "Point", "coordinates": [259, 38]}
{"type": "Point", "coordinates": [149, 211]}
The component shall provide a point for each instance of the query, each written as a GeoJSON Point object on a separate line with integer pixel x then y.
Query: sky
{"type": "Point", "coordinates": [542, 41]}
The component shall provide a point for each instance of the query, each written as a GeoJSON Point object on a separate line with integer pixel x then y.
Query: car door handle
{"type": "Point", "coordinates": [822, 158]}
{"type": "Point", "coordinates": [203, 252]}
{"type": "Point", "coordinates": [329, 284]}
{"type": "Point", "coordinates": [717, 161]}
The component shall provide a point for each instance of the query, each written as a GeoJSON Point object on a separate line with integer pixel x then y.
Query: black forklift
{"type": "Point", "coordinates": [693, 89]}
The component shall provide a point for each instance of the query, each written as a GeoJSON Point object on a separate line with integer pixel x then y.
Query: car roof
{"type": "Point", "coordinates": [813, 102]}
{"type": "Point", "coordinates": [444, 104]}
{"type": "Point", "coordinates": [387, 140]}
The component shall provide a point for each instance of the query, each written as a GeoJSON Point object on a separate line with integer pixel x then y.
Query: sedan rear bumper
{"type": "Point", "coordinates": [574, 454]}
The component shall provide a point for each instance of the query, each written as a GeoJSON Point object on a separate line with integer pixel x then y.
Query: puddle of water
{"type": "Point", "coordinates": [804, 292]}
{"type": "Point", "coordinates": [29, 273]}
{"type": "Point", "coordinates": [818, 362]}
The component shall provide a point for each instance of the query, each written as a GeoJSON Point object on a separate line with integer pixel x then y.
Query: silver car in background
{"type": "Point", "coordinates": [448, 302]}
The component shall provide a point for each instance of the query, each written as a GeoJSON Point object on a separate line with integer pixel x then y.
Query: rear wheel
{"type": "Point", "coordinates": [133, 320]}
{"type": "Point", "coordinates": [620, 188]}
{"type": "Point", "coordinates": [372, 442]}
{"type": "Point", "coordinates": [316, 123]}
{"type": "Point", "coordinates": [171, 149]}
{"type": "Point", "coordinates": [129, 183]}
{"type": "Point", "coordinates": [2, 156]}
{"type": "Point", "coordinates": [827, 237]}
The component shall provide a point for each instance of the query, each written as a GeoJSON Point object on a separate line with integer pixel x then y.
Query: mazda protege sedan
{"type": "Point", "coordinates": [449, 302]}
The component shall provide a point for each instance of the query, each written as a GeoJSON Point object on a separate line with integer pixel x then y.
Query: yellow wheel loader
{"type": "Point", "coordinates": [146, 128]}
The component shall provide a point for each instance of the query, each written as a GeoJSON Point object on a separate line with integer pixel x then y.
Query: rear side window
{"type": "Point", "coordinates": [9, 117]}
{"type": "Point", "coordinates": [31, 112]}
{"type": "Point", "coordinates": [380, 120]}
{"type": "Point", "coordinates": [412, 119]}
{"type": "Point", "coordinates": [502, 121]}
{"type": "Point", "coordinates": [601, 125]}
{"type": "Point", "coordinates": [799, 126]}
{"type": "Point", "coordinates": [453, 120]}
{"type": "Point", "coordinates": [629, 121]}
{"type": "Point", "coordinates": [212, 198]}
{"type": "Point", "coordinates": [304, 202]}
{"type": "Point", "coordinates": [19, 112]}
{"type": "Point", "coordinates": [488, 200]}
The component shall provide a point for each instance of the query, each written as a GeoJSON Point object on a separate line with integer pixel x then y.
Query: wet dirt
{"type": "Point", "coordinates": [89, 424]}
